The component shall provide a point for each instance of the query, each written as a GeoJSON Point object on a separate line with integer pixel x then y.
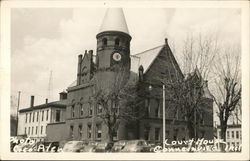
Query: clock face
{"type": "Point", "coordinates": [117, 56]}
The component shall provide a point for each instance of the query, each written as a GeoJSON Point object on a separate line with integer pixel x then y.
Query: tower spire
{"type": "Point", "coordinates": [114, 20]}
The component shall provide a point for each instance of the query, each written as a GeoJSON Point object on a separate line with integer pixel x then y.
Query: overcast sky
{"type": "Point", "coordinates": [44, 40]}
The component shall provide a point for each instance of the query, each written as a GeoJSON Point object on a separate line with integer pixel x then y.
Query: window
{"type": "Point", "coordinates": [47, 115]}
{"type": "Point", "coordinates": [89, 131]}
{"type": "Point", "coordinates": [42, 115]}
{"type": "Point", "coordinates": [41, 129]}
{"type": "Point", "coordinates": [157, 134]}
{"type": "Point", "coordinates": [147, 105]}
{"type": "Point", "coordinates": [36, 129]}
{"type": "Point", "coordinates": [26, 118]}
{"type": "Point", "coordinates": [29, 131]}
{"type": "Point", "coordinates": [98, 131]}
{"type": "Point", "coordinates": [37, 116]}
{"type": "Point", "coordinates": [104, 42]}
{"type": "Point", "coordinates": [237, 134]}
{"type": "Point", "coordinates": [32, 130]}
{"type": "Point", "coordinates": [25, 132]}
{"type": "Point", "coordinates": [73, 111]}
{"type": "Point", "coordinates": [34, 114]}
{"type": "Point", "coordinates": [237, 144]}
{"type": "Point", "coordinates": [115, 134]}
{"type": "Point", "coordinates": [91, 110]}
{"type": "Point", "coordinates": [117, 41]}
{"type": "Point", "coordinates": [72, 131]}
{"type": "Point", "coordinates": [58, 113]}
{"type": "Point", "coordinates": [146, 133]}
{"type": "Point", "coordinates": [228, 134]}
{"type": "Point", "coordinates": [176, 134]}
{"type": "Point", "coordinates": [30, 118]}
{"type": "Point", "coordinates": [99, 109]}
{"type": "Point", "coordinates": [81, 109]}
{"type": "Point", "coordinates": [157, 111]}
{"type": "Point", "coordinates": [232, 134]}
{"type": "Point", "coordinates": [80, 131]}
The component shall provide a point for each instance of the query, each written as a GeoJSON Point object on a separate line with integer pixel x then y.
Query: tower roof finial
{"type": "Point", "coordinates": [114, 20]}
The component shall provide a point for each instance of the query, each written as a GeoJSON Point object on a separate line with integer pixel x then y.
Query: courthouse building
{"type": "Point", "coordinates": [113, 49]}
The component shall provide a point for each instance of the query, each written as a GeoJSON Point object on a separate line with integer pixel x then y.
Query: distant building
{"type": "Point", "coordinates": [233, 134]}
{"type": "Point", "coordinates": [113, 48]}
{"type": "Point", "coordinates": [33, 121]}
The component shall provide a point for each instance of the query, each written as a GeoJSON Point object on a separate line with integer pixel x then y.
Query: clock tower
{"type": "Point", "coordinates": [113, 50]}
{"type": "Point", "coordinates": [113, 42]}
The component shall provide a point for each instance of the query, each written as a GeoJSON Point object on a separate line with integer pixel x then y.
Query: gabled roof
{"type": "Point", "coordinates": [59, 104]}
{"type": "Point", "coordinates": [145, 58]}
{"type": "Point", "coordinates": [114, 20]}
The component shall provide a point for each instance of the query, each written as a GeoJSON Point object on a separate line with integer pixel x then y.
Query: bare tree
{"type": "Point", "coordinates": [186, 93]}
{"type": "Point", "coordinates": [227, 86]}
{"type": "Point", "coordinates": [120, 102]}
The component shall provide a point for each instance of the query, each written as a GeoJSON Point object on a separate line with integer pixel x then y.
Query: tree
{"type": "Point", "coordinates": [187, 93]}
{"type": "Point", "coordinates": [120, 102]}
{"type": "Point", "coordinates": [228, 86]}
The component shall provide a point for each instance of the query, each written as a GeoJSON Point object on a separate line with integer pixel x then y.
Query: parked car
{"type": "Point", "coordinates": [104, 146]}
{"type": "Point", "coordinates": [136, 146]}
{"type": "Point", "coordinates": [74, 146]}
{"type": "Point", "coordinates": [118, 146]}
{"type": "Point", "coordinates": [90, 147]}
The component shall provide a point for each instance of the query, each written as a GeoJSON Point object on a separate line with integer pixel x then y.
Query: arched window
{"type": "Point", "coordinates": [117, 41]}
{"type": "Point", "coordinates": [104, 41]}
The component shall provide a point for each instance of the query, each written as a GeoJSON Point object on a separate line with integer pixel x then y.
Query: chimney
{"type": "Point", "coordinates": [32, 101]}
{"type": "Point", "coordinates": [46, 100]}
{"type": "Point", "coordinates": [79, 69]}
{"type": "Point", "coordinates": [62, 95]}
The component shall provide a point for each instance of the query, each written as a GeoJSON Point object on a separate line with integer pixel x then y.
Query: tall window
{"type": "Point", "coordinates": [37, 116]}
{"type": "Point", "coordinates": [91, 109]}
{"type": "Point", "coordinates": [29, 131]}
{"type": "Point", "coordinates": [58, 113]}
{"type": "Point", "coordinates": [98, 131]}
{"type": "Point", "coordinates": [25, 132]}
{"type": "Point", "coordinates": [41, 129]}
{"type": "Point", "coordinates": [176, 134]}
{"type": "Point", "coordinates": [47, 115]}
{"type": "Point", "coordinates": [147, 105]}
{"type": "Point", "coordinates": [157, 134]}
{"type": "Point", "coordinates": [228, 134]}
{"type": "Point", "coordinates": [72, 131]}
{"type": "Point", "coordinates": [232, 134]}
{"type": "Point", "coordinates": [89, 131]}
{"type": "Point", "coordinates": [117, 41]}
{"type": "Point", "coordinates": [32, 130]}
{"type": "Point", "coordinates": [237, 134]}
{"type": "Point", "coordinates": [36, 129]}
{"type": "Point", "coordinates": [80, 131]}
{"type": "Point", "coordinates": [30, 118]}
{"type": "Point", "coordinates": [26, 118]}
{"type": "Point", "coordinates": [42, 115]}
{"type": "Point", "coordinates": [157, 111]}
{"type": "Point", "coordinates": [33, 119]}
{"type": "Point", "coordinates": [81, 109]}
{"type": "Point", "coordinates": [73, 111]}
{"type": "Point", "coordinates": [99, 109]}
{"type": "Point", "coordinates": [146, 133]}
{"type": "Point", "coordinates": [104, 42]}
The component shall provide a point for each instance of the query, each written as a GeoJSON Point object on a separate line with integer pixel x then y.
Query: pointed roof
{"type": "Point", "coordinates": [144, 58]}
{"type": "Point", "coordinates": [114, 20]}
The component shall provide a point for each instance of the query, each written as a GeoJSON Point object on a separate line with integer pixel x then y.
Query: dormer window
{"type": "Point", "coordinates": [117, 41]}
{"type": "Point", "coordinates": [104, 42]}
